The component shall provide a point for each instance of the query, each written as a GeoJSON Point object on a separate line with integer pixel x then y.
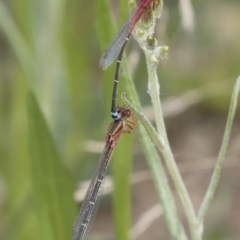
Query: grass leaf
{"type": "Point", "coordinates": [51, 182]}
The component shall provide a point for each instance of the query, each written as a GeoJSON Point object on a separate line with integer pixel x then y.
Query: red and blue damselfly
{"type": "Point", "coordinates": [123, 122]}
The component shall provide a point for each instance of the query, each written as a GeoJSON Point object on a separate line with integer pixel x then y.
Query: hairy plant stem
{"type": "Point", "coordinates": [153, 55]}
{"type": "Point", "coordinates": [163, 147]}
{"type": "Point", "coordinates": [157, 171]}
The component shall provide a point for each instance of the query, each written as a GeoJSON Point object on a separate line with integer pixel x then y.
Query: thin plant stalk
{"type": "Point", "coordinates": [217, 170]}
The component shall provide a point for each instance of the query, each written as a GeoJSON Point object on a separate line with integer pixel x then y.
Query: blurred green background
{"type": "Point", "coordinates": [55, 101]}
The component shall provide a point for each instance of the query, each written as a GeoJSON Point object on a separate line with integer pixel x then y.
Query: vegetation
{"type": "Point", "coordinates": [54, 98]}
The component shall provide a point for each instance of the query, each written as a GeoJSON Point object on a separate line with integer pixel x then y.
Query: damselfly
{"type": "Point", "coordinates": [85, 217]}
{"type": "Point", "coordinates": [119, 42]}
{"type": "Point", "coordinates": [118, 45]}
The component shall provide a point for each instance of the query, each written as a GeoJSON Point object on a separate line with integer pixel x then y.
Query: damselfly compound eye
{"type": "Point", "coordinates": [128, 113]}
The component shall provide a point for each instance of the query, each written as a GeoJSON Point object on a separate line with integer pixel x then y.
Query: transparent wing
{"type": "Point", "coordinates": [115, 46]}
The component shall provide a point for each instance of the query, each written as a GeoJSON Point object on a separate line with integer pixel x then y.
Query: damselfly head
{"type": "Point", "coordinates": [124, 112]}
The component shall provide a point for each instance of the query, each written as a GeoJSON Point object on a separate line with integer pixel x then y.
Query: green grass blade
{"type": "Point", "coordinates": [15, 37]}
{"type": "Point", "coordinates": [105, 31]}
{"type": "Point", "coordinates": [121, 169]}
{"type": "Point", "coordinates": [121, 164]}
{"type": "Point", "coordinates": [51, 183]}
